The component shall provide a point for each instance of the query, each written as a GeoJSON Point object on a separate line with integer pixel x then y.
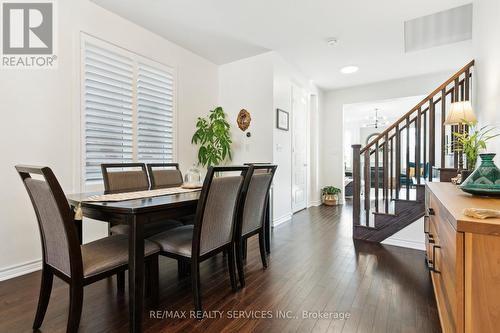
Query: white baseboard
{"type": "Point", "coordinates": [315, 203]}
{"type": "Point", "coordinates": [283, 219]}
{"type": "Point", "coordinates": [20, 269]}
{"type": "Point", "coordinates": [405, 243]}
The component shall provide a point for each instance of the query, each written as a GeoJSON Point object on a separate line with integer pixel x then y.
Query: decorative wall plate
{"type": "Point", "coordinates": [244, 120]}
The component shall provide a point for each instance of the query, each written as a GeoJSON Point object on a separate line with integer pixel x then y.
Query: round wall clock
{"type": "Point", "coordinates": [244, 120]}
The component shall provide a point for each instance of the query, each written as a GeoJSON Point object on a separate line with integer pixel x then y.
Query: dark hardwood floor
{"type": "Point", "coordinates": [315, 266]}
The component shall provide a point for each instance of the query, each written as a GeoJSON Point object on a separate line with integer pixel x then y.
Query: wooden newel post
{"type": "Point", "coordinates": [356, 184]}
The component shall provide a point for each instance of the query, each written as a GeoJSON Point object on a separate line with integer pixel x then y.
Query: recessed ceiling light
{"type": "Point", "coordinates": [349, 69]}
{"type": "Point", "coordinates": [332, 41]}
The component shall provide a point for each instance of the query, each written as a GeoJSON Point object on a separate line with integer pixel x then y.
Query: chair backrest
{"type": "Point", "coordinates": [126, 177]}
{"type": "Point", "coordinates": [164, 175]}
{"type": "Point", "coordinates": [258, 164]}
{"type": "Point", "coordinates": [254, 207]}
{"type": "Point", "coordinates": [60, 245]}
{"type": "Point", "coordinates": [218, 208]}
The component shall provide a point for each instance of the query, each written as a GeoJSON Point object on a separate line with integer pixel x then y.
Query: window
{"type": "Point", "coordinates": [128, 104]}
{"type": "Point", "coordinates": [154, 114]}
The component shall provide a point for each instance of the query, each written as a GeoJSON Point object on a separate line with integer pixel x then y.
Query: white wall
{"type": "Point", "coordinates": [486, 39]}
{"type": "Point", "coordinates": [314, 147]}
{"type": "Point", "coordinates": [42, 109]}
{"type": "Point", "coordinates": [248, 84]}
{"type": "Point", "coordinates": [261, 84]}
{"type": "Point", "coordinates": [412, 236]}
{"type": "Point", "coordinates": [285, 77]}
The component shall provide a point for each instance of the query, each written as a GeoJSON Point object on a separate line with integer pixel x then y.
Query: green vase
{"type": "Point", "coordinates": [485, 180]}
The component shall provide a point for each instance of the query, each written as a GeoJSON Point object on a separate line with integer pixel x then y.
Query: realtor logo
{"type": "Point", "coordinates": [28, 34]}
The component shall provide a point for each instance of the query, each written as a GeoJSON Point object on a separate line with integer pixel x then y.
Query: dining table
{"type": "Point", "coordinates": [136, 213]}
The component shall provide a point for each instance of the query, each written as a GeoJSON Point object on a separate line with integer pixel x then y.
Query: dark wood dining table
{"type": "Point", "coordinates": [136, 213]}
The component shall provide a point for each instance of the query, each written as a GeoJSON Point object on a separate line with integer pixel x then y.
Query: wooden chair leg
{"type": "Point", "coordinates": [183, 268]}
{"type": "Point", "coordinates": [239, 263]}
{"type": "Point", "coordinates": [262, 246]}
{"type": "Point", "coordinates": [195, 285]}
{"type": "Point", "coordinates": [244, 248]}
{"type": "Point", "coordinates": [147, 277]}
{"type": "Point", "coordinates": [120, 281]}
{"type": "Point", "coordinates": [43, 300]}
{"type": "Point", "coordinates": [75, 306]}
{"type": "Point", "coordinates": [232, 270]}
{"type": "Point", "coordinates": [154, 279]}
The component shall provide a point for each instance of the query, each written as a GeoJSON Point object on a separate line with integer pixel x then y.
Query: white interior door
{"type": "Point", "coordinates": [299, 149]}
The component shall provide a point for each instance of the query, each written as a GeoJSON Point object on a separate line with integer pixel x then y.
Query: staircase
{"type": "Point", "coordinates": [390, 172]}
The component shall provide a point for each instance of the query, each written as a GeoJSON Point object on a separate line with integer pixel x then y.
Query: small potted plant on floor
{"type": "Point", "coordinates": [330, 195]}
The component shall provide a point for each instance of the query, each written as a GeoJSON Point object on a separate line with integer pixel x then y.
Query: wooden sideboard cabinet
{"type": "Point", "coordinates": [463, 255]}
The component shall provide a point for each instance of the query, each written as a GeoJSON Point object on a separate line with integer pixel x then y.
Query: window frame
{"type": "Point", "coordinates": [137, 59]}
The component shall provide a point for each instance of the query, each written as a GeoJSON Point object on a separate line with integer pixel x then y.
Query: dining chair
{"type": "Point", "coordinates": [127, 177]}
{"type": "Point", "coordinates": [164, 175]}
{"type": "Point", "coordinates": [124, 177]}
{"type": "Point", "coordinates": [244, 244]}
{"type": "Point", "coordinates": [167, 175]}
{"type": "Point", "coordinates": [63, 256]}
{"type": "Point", "coordinates": [214, 227]}
{"type": "Point", "coordinates": [251, 221]}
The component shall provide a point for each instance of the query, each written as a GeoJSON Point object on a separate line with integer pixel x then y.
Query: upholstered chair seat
{"type": "Point", "coordinates": [178, 240]}
{"type": "Point", "coordinates": [109, 253]}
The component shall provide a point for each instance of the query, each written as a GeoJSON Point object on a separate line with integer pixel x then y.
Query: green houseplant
{"type": "Point", "coordinates": [213, 135]}
{"type": "Point", "coordinates": [472, 143]}
{"type": "Point", "coordinates": [330, 195]}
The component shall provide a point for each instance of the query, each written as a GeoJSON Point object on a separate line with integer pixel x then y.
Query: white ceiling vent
{"type": "Point", "coordinates": [446, 27]}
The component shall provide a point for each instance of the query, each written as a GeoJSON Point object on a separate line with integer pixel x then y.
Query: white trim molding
{"type": "Point", "coordinates": [283, 219]}
{"type": "Point", "coordinates": [20, 269]}
{"type": "Point", "coordinates": [405, 243]}
{"type": "Point", "coordinates": [314, 203]}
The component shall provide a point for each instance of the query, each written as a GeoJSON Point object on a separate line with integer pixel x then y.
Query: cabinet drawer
{"type": "Point", "coordinates": [448, 273]}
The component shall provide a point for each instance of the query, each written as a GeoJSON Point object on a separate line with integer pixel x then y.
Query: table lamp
{"type": "Point", "coordinates": [460, 113]}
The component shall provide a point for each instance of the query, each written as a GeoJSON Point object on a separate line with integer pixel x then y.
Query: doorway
{"type": "Point", "coordinates": [299, 148]}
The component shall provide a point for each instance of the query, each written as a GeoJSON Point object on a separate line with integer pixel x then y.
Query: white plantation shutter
{"type": "Point", "coordinates": [154, 114]}
{"type": "Point", "coordinates": [128, 108]}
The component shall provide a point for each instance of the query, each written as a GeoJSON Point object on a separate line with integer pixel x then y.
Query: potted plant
{"type": "Point", "coordinates": [471, 143]}
{"type": "Point", "coordinates": [213, 135]}
{"type": "Point", "coordinates": [330, 195]}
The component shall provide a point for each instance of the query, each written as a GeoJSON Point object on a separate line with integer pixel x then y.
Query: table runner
{"type": "Point", "coordinates": [138, 194]}
{"type": "Point", "coordinates": [131, 196]}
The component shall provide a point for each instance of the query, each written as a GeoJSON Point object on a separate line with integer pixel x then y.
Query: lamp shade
{"type": "Point", "coordinates": [460, 112]}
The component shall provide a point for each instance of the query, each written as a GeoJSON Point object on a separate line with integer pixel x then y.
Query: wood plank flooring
{"type": "Point", "coordinates": [315, 267]}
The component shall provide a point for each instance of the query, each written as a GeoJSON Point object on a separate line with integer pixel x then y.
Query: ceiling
{"type": "Point", "coordinates": [392, 109]}
{"type": "Point", "coordinates": [370, 34]}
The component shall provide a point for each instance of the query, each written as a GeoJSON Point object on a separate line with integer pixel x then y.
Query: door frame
{"type": "Point", "coordinates": [306, 95]}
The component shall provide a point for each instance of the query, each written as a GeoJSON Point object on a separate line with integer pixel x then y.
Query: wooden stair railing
{"type": "Point", "coordinates": [403, 156]}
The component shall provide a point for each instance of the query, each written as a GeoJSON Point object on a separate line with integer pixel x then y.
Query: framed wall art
{"type": "Point", "coordinates": [282, 120]}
